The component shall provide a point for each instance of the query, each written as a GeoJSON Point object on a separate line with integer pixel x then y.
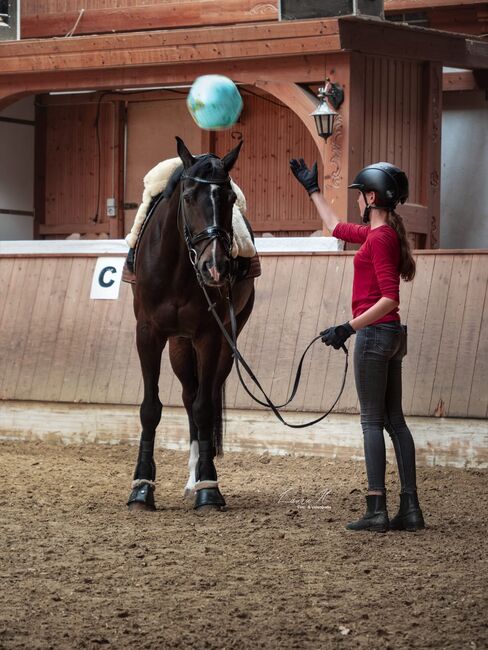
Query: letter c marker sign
{"type": "Point", "coordinates": [106, 278]}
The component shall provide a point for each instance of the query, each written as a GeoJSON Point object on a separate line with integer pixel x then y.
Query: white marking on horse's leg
{"type": "Point", "coordinates": [192, 464]}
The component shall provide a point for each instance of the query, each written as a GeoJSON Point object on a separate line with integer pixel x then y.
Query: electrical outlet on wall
{"type": "Point", "coordinates": [111, 207]}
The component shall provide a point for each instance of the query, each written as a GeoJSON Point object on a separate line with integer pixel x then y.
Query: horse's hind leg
{"type": "Point", "coordinates": [150, 348]}
{"type": "Point", "coordinates": [184, 363]}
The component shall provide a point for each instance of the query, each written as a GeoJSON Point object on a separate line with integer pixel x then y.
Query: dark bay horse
{"type": "Point", "coordinates": [190, 230]}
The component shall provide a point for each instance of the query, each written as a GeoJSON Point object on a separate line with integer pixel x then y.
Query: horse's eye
{"type": "Point", "coordinates": [232, 196]}
{"type": "Point", "coordinates": [188, 196]}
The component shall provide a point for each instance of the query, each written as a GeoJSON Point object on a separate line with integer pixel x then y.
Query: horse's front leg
{"type": "Point", "coordinates": [205, 415]}
{"type": "Point", "coordinates": [184, 364]}
{"type": "Point", "coordinates": [150, 348]}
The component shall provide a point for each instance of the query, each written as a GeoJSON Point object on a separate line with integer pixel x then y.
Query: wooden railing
{"type": "Point", "coordinates": [57, 345]}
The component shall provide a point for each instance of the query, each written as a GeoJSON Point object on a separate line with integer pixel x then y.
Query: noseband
{"type": "Point", "coordinates": [210, 232]}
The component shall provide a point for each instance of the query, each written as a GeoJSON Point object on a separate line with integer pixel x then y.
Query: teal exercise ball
{"type": "Point", "coordinates": [214, 102]}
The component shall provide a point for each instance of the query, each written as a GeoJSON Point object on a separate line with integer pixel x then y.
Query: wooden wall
{"type": "Point", "coordinates": [80, 168]}
{"type": "Point", "coordinates": [392, 112]}
{"type": "Point", "coordinates": [58, 345]}
{"type": "Point", "coordinates": [393, 117]}
{"type": "Point", "coordinates": [400, 113]}
{"type": "Point", "coordinates": [272, 134]}
{"type": "Point", "coordinates": [151, 130]}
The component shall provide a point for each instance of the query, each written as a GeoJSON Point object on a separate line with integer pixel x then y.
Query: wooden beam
{"type": "Point", "coordinates": [39, 169]}
{"type": "Point", "coordinates": [415, 217]}
{"type": "Point", "coordinates": [344, 149]}
{"type": "Point", "coordinates": [386, 38]}
{"type": "Point", "coordinates": [116, 225]}
{"type": "Point", "coordinates": [431, 151]}
{"type": "Point", "coordinates": [155, 16]}
{"type": "Point", "coordinates": [398, 6]}
{"type": "Point", "coordinates": [167, 55]}
{"type": "Point", "coordinates": [306, 69]}
{"type": "Point", "coordinates": [170, 47]}
{"type": "Point", "coordinates": [459, 81]}
{"type": "Point", "coordinates": [465, 20]}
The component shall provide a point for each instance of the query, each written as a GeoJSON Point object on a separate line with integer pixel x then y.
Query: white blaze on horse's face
{"type": "Point", "coordinates": [214, 260]}
{"type": "Point", "coordinates": [213, 268]}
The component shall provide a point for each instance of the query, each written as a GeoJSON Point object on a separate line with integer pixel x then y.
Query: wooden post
{"type": "Point", "coordinates": [39, 168]}
{"type": "Point", "coordinates": [344, 148]}
{"type": "Point", "coordinates": [116, 224]}
{"type": "Point", "coordinates": [431, 153]}
{"type": "Point", "coordinates": [208, 141]}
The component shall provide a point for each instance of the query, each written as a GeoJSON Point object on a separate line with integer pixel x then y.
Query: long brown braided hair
{"type": "Point", "coordinates": [407, 263]}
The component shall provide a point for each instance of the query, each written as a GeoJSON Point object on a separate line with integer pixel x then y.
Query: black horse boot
{"type": "Point", "coordinates": [410, 516]}
{"type": "Point", "coordinates": [376, 516]}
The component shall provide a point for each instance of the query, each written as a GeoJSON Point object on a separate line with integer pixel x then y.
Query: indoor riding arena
{"type": "Point", "coordinates": [92, 96]}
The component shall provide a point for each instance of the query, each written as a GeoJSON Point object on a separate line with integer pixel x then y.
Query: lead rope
{"type": "Point", "coordinates": [233, 341]}
{"type": "Point", "coordinates": [240, 359]}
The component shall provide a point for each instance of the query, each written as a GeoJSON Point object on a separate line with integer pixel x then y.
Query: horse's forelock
{"type": "Point", "coordinates": [209, 167]}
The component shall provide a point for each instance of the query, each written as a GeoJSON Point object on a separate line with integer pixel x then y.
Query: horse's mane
{"type": "Point", "coordinates": [173, 181]}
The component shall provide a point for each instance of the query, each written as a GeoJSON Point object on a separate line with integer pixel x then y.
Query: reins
{"type": "Point", "coordinates": [213, 232]}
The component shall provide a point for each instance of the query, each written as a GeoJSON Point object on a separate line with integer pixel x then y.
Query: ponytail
{"type": "Point", "coordinates": [407, 263]}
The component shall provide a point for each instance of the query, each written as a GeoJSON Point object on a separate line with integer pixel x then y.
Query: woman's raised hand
{"type": "Point", "coordinates": [307, 177]}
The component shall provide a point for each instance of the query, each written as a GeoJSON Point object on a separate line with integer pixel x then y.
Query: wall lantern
{"type": "Point", "coordinates": [331, 95]}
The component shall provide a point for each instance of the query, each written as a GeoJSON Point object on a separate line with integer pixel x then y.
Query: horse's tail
{"type": "Point", "coordinates": [219, 425]}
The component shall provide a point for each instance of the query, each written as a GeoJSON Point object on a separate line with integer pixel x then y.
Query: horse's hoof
{"type": "Point", "coordinates": [142, 498]}
{"type": "Point", "coordinates": [136, 506]}
{"type": "Point", "coordinates": [209, 499]}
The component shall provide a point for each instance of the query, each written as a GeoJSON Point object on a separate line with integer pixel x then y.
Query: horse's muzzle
{"type": "Point", "coordinates": [215, 275]}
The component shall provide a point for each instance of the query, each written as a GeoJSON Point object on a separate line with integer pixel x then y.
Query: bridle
{"type": "Point", "coordinates": [210, 232]}
{"type": "Point", "coordinates": [215, 232]}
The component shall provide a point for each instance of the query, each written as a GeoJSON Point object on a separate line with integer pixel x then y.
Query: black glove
{"type": "Point", "coordinates": [337, 335]}
{"type": "Point", "coordinates": [307, 177]}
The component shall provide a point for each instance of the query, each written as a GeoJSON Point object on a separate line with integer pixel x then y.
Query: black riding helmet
{"type": "Point", "coordinates": [388, 182]}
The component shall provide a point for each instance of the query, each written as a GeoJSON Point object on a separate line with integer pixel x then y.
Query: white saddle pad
{"type": "Point", "coordinates": [154, 183]}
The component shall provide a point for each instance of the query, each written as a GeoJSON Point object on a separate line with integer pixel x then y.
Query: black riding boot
{"type": "Point", "coordinates": [409, 516]}
{"type": "Point", "coordinates": [376, 517]}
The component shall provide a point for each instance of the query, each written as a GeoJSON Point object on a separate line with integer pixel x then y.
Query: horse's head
{"type": "Point", "coordinates": [207, 199]}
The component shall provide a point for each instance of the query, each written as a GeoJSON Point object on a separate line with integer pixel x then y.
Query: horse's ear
{"type": "Point", "coordinates": [230, 158]}
{"type": "Point", "coordinates": [184, 153]}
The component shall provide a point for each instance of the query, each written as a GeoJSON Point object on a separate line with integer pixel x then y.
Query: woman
{"type": "Point", "coordinates": [381, 344]}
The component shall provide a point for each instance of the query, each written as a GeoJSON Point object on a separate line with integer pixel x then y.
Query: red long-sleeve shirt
{"type": "Point", "coordinates": [376, 266]}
